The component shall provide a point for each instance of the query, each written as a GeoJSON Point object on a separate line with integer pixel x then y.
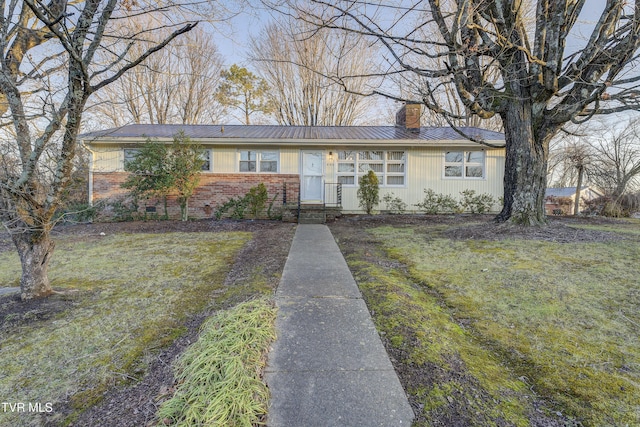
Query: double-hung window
{"type": "Point", "coordinates": [130, 155]}
{"type": "Point", "coordinates": [389, 166]}
{"type": "Point", "coordinates": [464, 164]}
{"type": "Point", "coordinates": [259, 161]}
{"type": "Point", "coordinates": [206, 157]}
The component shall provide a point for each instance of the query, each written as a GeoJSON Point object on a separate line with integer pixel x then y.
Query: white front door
{"type": "Point", "coordinates": [312, 175]}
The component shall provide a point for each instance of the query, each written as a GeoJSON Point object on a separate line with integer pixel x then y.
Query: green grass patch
{"type": "Point", "coordinates": [220, 375]}
{"type": "Point", "coordinates": [133, 294]}
{"type": "Point", "coordinates": [565, 317]}
{"type": "Point", "coordinates": [624, 226]}
{"type": "Point", "coordinates": [460, 370]}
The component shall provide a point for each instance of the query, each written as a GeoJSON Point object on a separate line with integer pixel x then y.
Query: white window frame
{"type": "Point", "coordinates": [258, 160]}
{"type": "Point", "coordinates": [207, 158]}
{"type": "Point", "coordinates": [128, 157]}
{"type": "Point", "coordinates": [464, 164]}
{"type": "Point", "coordinates": [363, 160]}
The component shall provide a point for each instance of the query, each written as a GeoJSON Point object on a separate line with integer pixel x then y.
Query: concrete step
{"type": "Point", "coordinates": [311, 219]}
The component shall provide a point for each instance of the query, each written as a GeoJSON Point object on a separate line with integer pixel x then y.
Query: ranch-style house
{"type": "Point", "coordinates": [310, 166]}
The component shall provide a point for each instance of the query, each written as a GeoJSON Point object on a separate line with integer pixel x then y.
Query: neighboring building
{"type": "Point", "coordinates": [561, 201]}
{"type": "Point", "coordinates": [311, 164]}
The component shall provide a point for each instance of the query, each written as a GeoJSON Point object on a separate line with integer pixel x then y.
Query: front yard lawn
{"type": "Point", "coordinates": [510, 330]}
{"type": "Point", "coordinates": [122, 298]}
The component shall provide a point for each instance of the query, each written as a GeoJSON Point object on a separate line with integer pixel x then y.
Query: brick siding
{"type": "Point", "coordinates": [212, 191]}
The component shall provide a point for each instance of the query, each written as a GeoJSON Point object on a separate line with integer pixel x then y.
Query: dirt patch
{"type": "Point", "coordinates": [483, 227]}
{"type": "Point", "coordinates": [556, 231]}
{"type": "Point", "coordinates": [135, 404]}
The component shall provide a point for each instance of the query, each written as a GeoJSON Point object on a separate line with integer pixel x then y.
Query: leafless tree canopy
{"type": "Point", "coordinates": [173, 86]}
{"type": "Point", "coordinates": [308, 70]}
{"type": "Point", "coordinates": [524, 61]}
{"type": "Point", "coordinates": [608, 152]}
{"type": "Point", "coordinates": [616, 158]}
{"type": "Point", "coordinates": [48, 70]}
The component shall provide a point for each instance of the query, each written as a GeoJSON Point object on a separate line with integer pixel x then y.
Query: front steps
{"type": "Point", "coordinates": [314, 213]}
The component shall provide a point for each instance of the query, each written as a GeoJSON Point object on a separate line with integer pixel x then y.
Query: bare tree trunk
{"type": "Point", "coordinates": [525, 177]}
{"type": "Point", "coordinates": [576, 202]}
{"type": "Point", "coordinates": [35, 250]}
{"type": "Point", "coordinates": [184, 209]}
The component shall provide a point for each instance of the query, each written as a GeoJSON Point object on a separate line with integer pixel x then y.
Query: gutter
{"type": "Point", "coordinates": [306, 142]}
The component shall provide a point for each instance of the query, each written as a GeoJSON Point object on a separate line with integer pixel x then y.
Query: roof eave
{"type": "Point", "coordinates": [299, 142]}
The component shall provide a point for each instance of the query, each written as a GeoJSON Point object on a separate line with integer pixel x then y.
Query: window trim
{"type": "Point", "coordinates": [464, 164]}
{"type": "Point", "coordinates": [384, 161]}
{"type": "Point", "coordinates": [209, 159]}
{"type": "Point", "coordinates": [258, 160]}
{"type": "Point", "coordinates": [126, 158]}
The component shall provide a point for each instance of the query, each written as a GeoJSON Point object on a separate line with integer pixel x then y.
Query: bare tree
{"type": "Point", "coordinates": [578, 156]}
{"type": "Point", "coordinates": [307, 69]}
{"type": "Point", "coordinates": [616, 158]}
{"type": "Point", "coordinates": [48, 71]}
{"type": "Point", "coordinates": [543, 85]}
{"type": "Point", "coordinates": [173, 86]}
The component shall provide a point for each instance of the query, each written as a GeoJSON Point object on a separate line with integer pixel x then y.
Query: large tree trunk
{"type": "Point", "coordinates": [525, 178]}
{"type": "Point", "coordinates": [35, 250]}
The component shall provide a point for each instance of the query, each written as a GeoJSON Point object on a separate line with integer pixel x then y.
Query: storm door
{"type": "Point", "coordinates": [312, 181]}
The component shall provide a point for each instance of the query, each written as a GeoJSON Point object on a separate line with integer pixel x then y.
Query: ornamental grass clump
{"type": "Point", "coordinates": [219, 376]}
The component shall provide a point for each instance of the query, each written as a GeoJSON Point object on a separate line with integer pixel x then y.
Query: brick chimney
{"type": "Point", "coordinates": [409, 117]}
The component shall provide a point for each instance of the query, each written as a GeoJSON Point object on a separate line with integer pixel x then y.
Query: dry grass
{"type": "Point", "coordinates": [564, 318]}
{"type": "Point", "coordinates": [220, 376]}
{"type": "Point", "coordinates": [132, 294]}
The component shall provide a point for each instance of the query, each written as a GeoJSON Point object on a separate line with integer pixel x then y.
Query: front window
{"type": "Point", "coordinates": [206, 157]}
{"type": "Point", "coordinates": [464, 164]}
{"type": "Point", "coordinates": [259, 161]}
{"type": "Point", "coordinates": [269, 161]}
{"type": "Point", "coordinates": [389, 166]}
{"type": "Point", "coordinates": [130, 155]}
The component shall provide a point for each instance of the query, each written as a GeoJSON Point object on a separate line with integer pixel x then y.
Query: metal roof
{"type": "Point", "coordinates": [269, 133]}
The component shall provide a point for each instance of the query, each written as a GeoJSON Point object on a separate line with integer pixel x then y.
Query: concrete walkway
{"type": "Point", "coordinates": [328, 366]}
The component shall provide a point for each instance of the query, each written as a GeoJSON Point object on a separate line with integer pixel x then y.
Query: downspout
{"type": "Point", "coordinates": [90, 184]}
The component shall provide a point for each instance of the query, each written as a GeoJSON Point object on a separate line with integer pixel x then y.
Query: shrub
{"type": "Point", "coordinates": [253, 203]}
{"type": "Point", "coordinates": [434, 203]}
{"type": "Point", "coordinates": [476, 203]}
{"type": "Point", "coordinates": [79, 212]}
{"type": "Point", "coordinates": [368, 192]}
{"type": "Point", "coordinates": [125, 209]}
{"type": "Point", "coordinates": [237, 206]}
{"type": "Point", "coordinates": [394, 204]}
{"type": "Point", "coordinates": [607, 206]}
{"type": "Point", "coordinates": [256, 199]}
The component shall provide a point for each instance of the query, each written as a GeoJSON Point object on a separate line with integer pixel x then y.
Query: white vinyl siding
{"type": "Point", "coordinates": [131, 153]}
{"type": "Point", "coordinates": [424, 168]}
